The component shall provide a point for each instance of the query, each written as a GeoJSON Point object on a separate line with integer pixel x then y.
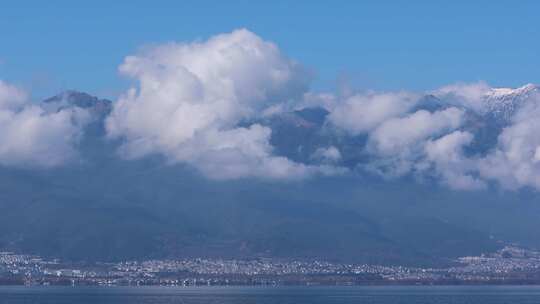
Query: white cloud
{"type": "Point", "coordinates": [363, 112]}
{"type": "Point", "coordinates": [11, 97]}
{"type": "Point", "coordinates": [329, 154]}
{"type": "Point", "coordinates": [420, 142]}
{"type": "Point", "coordinates": [397, 135]}
{"type": "Point", "coordinates": [192, 97]}
{"type": "Point", "coordinates": [427, 143]}
{"type": "Point", "coordinates": [445, 157]}
{"type": "Point", "coordinates": [468, 95]}
{"type": "Point", "coordinates": [30, 136]}
{"type": "Point", "coordinates": [397, 145]}
{"type": "Point", "coordinates": [514, 163]}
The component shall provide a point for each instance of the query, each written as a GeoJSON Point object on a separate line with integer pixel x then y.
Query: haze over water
{"type": "Point", "coordinates": [273, 295]}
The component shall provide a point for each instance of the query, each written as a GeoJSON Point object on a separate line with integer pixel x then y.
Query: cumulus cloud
{"type": "Point", "coordinates": [31, 136]}
{"type": "Point", "coordinates": [192, 98]}
{"type": "Point", "coordinates": [363, 112]}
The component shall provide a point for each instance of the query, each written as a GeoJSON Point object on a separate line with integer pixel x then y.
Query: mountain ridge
{"type": "Point", "coordinates": [109, 209]}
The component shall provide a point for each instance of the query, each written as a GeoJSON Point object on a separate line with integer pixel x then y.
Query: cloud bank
{"type": "Point", "coordinates": [433, 135]}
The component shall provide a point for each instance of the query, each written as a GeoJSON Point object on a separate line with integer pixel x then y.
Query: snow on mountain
{"type": "Point", "coordinates": [502, 103]}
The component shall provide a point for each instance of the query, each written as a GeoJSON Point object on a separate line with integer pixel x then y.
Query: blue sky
{"type": "Point", "coordinates": [48, 46]}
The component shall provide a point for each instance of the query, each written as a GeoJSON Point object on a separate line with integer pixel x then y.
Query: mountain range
{"type": "Point", "coordinates": [104, 208]}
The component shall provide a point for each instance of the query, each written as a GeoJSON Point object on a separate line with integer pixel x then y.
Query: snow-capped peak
{"type": "Point", "coordinates": [505, 93]}
{"type": "Point", "coordinates": [502, 103]}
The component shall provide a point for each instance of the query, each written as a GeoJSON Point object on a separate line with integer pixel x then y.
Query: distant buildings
{"type": "Point", "coordinates": [508, 265]}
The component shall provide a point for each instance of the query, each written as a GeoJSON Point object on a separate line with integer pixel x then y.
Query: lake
{"type": "Point", "coordinates": [273, 295]}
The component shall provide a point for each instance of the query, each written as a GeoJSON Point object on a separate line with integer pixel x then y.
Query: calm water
{"type": "Point", "coordinates": [271, 295]}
